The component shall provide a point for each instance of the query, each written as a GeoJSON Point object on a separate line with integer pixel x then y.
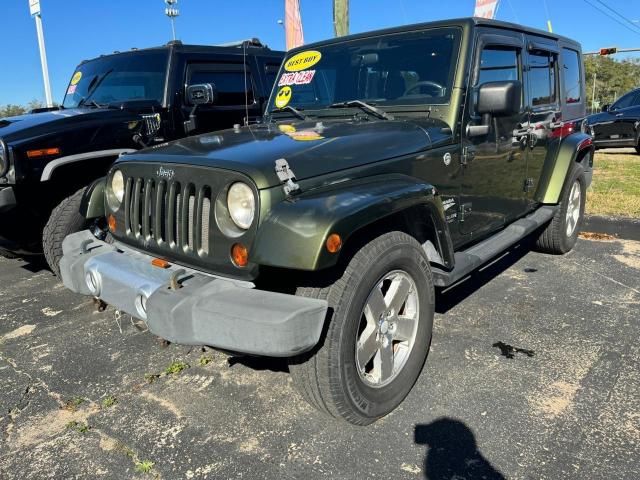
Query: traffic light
{"type": "Point", "coordinates": [608, 51]}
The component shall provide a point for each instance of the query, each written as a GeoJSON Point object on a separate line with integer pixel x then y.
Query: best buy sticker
{"type": "Point", "coordinates": [283, 97]}
{"type": "Point", "coordinates": [76, 78]}
{"type": "Point", "coordinates": [302, 61]}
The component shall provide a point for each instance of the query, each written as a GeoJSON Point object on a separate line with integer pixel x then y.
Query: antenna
{"type": "Point", "coordinates": [172, 12]}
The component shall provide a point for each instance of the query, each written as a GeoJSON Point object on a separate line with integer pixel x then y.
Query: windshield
{"type": "Point", "coordinates": [118, 78]}
{"type": "Point", "coordinates": [414, 68]}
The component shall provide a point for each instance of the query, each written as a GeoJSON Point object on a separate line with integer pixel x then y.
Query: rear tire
{"type": "Point", "coordinates": [378, 332]}
{"type": "Point", "coordinates": [65, 219]}
{"type": "Point", "coordinates": [561, 234]}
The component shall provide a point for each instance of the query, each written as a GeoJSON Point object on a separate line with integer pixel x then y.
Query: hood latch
{"type": "Point", "coordinates": [287, 177]}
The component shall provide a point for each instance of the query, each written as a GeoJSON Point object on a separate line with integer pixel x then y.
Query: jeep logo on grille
{"type": "Point", "coordinates": [166, 173]}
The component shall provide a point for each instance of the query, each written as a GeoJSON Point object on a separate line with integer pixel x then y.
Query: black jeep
{"type": "Point", "coordinates": [117, 104]}
{"type": "Point", "coordinates": [388, 163]}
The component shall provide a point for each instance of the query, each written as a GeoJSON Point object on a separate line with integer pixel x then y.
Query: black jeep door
{"type": "Point", "coordinates": [494, 169]}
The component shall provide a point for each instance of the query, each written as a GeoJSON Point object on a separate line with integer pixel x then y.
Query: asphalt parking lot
{"type": "Point", "coordinates": [534, 372]}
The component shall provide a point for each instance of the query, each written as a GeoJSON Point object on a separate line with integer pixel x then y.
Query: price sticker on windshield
{"type": "Point", "coordinates": [302, 61]}
{"type": "Point", "coordinates": [297, 78]}
{"type": "Point", "coordinates": [76, 78]}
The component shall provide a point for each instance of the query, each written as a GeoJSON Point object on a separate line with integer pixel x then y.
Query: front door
{"type": "Point", "coordinates": [494, 165]}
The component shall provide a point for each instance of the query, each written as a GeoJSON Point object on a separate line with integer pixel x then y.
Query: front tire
{"type": "Point", "coordinates": [378, 335]}
{"type": "Point", "coordinates": [561, 234]}
{"type": "Point", "coordinates": [65, 219]}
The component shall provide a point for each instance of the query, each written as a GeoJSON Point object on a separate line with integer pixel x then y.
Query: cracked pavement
{"type": "Point", "coordinates": [534, 373]}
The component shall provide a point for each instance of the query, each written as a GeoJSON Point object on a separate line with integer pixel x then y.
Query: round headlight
{"type": "Point", "coordinates": [241, 204]}
{"type": "Point", "coordinates": [116, 190]}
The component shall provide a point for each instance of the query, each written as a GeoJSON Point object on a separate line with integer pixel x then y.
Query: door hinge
{"type": "Point", "coordinates": [465, 208]}
{"type": "Point", "coordinates": [528, 184]}
{"type": "Point", "coordinates": [287, 177]}
{"type": "Point", "coordinates": [468, 154]}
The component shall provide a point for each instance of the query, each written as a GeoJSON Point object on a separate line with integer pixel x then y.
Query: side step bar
{"type": "Point", "coordinates": [474, 257]}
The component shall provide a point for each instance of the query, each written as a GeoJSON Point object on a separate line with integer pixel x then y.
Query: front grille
{"type": "Point", "coordinates": [169, 214]}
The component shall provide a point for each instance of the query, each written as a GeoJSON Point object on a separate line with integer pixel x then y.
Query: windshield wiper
{"type": "Point", "coordinates": [295, 111]}
{"type": "Point", "coordinates": [367, 107]}
{"type": "Point", "coordinates": [93, 86]}
{"type": "Point", "coordinates": [84, 102]}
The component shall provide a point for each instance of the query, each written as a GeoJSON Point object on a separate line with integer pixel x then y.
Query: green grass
{"type": "Point", "coordinates": [144, 466]}
{"type": "Point", "coordinates": [615, 190]}
{"type": "Point", "coordinates": [176, 367]}
{"type": "Point", "coordinates": [109, 401]}
{"type": "Point", "coordinates": [78, 426]}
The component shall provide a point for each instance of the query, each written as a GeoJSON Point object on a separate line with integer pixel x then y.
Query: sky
{"type": "Point", "coordinates": [81, 29]}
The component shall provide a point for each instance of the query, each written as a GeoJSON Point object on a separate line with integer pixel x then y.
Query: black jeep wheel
{"type": "Point", "coordinates": [561, 233]}
{"type": "Point", "coordinates": [65, 219]}
{"type": "Point", "coordinates": [378, 333]}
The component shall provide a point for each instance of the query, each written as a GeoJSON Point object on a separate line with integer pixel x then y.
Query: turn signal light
{"type": "Point", "coordinates": [239, 255]}
{"type": "Point", "coordinates": [111, 221]}
{"type": "Point", "coordinates": [43, 152]}
{"type": "Point", "coordinates": [160, 263]}
{"type": "Point", "coordinates": [334, 243]}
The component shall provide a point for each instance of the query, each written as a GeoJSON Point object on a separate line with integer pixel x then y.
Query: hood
{"type": "Point", "coordinates": [310, 148]}
{"type": "Point", "coordinates": [34, 124]}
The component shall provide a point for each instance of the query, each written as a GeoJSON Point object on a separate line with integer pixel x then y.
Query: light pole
{"type": "Point", "coordinates": [172, 12]}
{"type": "Point", "coordinates": [34, 8]}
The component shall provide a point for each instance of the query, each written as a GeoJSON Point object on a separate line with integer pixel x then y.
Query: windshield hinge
{"type": "Point", "coordinates": [287, 177]}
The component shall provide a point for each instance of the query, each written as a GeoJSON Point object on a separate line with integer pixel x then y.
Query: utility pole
{"type": "Point", "coordinates": [593, 96]}
{"type": "Point", "coordinates": [34, 8]}
{"type": "Point", "coordinates": [172, 12]}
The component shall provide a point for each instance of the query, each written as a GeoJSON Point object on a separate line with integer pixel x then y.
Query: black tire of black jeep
{"type": "Point", "coordinates": [65, 219]}
{"type": "Point", "coordinates": [327, 377]}
{"type": "Point", "coordinates": [554, 238]}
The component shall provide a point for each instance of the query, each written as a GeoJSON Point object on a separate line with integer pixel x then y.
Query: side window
{"type": "Point", "coordinates": [628, 100]}
{"type": "Point", "coordinates": [229, 82]}
{"type": "Point", "coordinates": [542, 77]}
{"type": "Point", "coordinates": [572, 76]}
{"type": "Point", "coordinates": [498, 64]}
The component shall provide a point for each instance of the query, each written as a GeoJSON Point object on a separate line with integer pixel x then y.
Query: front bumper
{"type": "Point", "coordinates": [203, 310]}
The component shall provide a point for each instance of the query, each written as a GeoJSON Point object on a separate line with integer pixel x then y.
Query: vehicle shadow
{"type": "Point", "coordinates": [447, 298]}
{"type": "Point", "coordinates": [453, 452]}
{"type": "Point", "coordinates": [34, 264]}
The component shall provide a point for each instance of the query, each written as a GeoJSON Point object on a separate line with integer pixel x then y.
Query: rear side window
{"type": "Point", "coordinates": [542, 77]}
{"type": "Point", "coordinates": [230, 85]}
{"type": "Point", "coordinates": [498, 64]}
{"type": "Point", "coordinates": [572, 76]}
{"type": "Point", "coordinates": [629, 100]}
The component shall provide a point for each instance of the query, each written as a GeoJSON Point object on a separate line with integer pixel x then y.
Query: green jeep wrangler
{"type": "Point", "coordinates": [387, 164]}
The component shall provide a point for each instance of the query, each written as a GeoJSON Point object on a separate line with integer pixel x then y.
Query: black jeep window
{"type": "Point", "coordinates": [542, 77]}
{"type": "Point", "coordinates": [498, 64]}
{"type": "Point", "coordinates": [572, 76]}
{"type": "Point", "coordinates": [413, 68]}
{"type": "Point", "coordinates": [125, 77]}
{"type": "Point", "coordinates": [628, 100]}
{"type": "Point", "coordinates": [230, 85]}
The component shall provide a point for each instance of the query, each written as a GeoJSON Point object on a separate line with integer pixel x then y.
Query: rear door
{"type": "Point", "coordinates": [494, 172]}
{"type": "Point", "coordinates": [543, 99]}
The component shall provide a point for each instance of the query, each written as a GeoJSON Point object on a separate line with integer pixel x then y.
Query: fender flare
{"type": "Point", "coordinates": [555, 168]}
{"type": "Point", "coordinates": [294, 232]}
{"type": "Point", "coordinates": [52, 165]}
{"type": "Point", "coordinates": [92, 203]}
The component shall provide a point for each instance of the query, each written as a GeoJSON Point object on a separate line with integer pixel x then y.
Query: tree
{"type": "Point", "coordinates": [613, 78]}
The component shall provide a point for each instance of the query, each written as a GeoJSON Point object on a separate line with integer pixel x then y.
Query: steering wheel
{"type": "Point", "coordinates": [426, 83]}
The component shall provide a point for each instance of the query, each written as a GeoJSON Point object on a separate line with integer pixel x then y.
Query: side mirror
{"type": "Point", "coordinates": [499, 99]}
{"type": "Point", "coordinates": [606, 107]}
{"type": "Point", "coordinates": [201, 94]}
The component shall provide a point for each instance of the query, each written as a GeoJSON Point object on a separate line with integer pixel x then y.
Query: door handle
{"type": "Point", "coordinates": [619, 114]}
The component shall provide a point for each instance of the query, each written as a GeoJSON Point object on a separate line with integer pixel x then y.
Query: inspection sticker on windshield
{"type": "Point", "coordinates": [283, 97]}
{"type": "Point", "coordinates": [297, 78]}
{"type": "Point", "coordinates": [76, 78]}
{"type": "Point", "coordinates": [71, 90]}
{"type": "Point", "coordinates": [302, 61]}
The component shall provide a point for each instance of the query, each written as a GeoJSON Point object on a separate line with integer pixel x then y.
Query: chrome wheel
{"type": "Point", "coordinates": [573, 208]}
{"type": "Point", "coordinates": [387, 330]}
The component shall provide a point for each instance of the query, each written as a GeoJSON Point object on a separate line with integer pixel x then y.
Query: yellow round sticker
{"type": "Point", "coordinates": [283, 97]}
{"type": "Point", "coordinates": [76, 78]}
{"type": "Point", "coordinates": [302, 61]}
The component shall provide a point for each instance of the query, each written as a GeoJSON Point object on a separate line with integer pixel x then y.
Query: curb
{"type": "Point", "coordinates": [620, 227]}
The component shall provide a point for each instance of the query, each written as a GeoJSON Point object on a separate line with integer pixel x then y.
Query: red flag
{"type": "Point", "coordinates": [486, 8]}
{"type": "Point", "coordinates": [293, 24]}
